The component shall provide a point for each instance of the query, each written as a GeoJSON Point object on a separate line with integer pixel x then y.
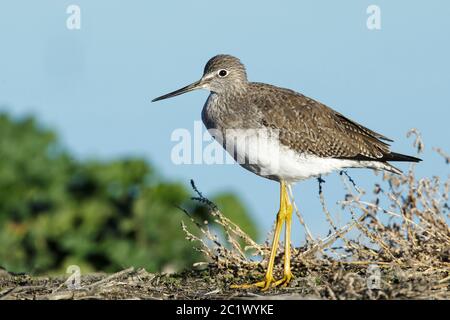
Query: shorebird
{"type": "Point", "coordinates": [310, 139]}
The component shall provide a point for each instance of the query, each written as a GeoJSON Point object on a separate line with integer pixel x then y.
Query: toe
{"type": "Point", "coordinates": [283, 281]}
{"type": "Point", "coordinates": [264, 285]}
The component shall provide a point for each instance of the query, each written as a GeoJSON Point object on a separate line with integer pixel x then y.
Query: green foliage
{"type": "Point", "coordinates": [56, 211]}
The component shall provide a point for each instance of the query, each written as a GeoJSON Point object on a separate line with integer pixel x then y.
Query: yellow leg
{"type": "Point", "coordinates": [287, 276]}
{"type": "Point", "coordinates": [284, 213]}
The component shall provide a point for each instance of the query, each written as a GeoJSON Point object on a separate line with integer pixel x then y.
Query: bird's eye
{"type": "Point", "coordinates": [223, 73]}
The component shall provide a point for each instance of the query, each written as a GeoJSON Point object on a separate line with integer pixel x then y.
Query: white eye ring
{"type": "Point", "coordinates": [222, 73]}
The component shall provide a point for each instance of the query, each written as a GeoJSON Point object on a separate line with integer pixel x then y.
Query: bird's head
{"type": "Point", "coordinates": [222, 73]}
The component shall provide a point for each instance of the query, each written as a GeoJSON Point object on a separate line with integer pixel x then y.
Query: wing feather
{"type": "Point", "coordinates": [311, 127]}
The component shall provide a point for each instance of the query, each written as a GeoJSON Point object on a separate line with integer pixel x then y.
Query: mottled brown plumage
{"type": "Point", "coordinates": [305, 125]}
{"type": "Point", "coordinates": [311, 139]}
{"type": "Point", "coordinates": [308, 126]}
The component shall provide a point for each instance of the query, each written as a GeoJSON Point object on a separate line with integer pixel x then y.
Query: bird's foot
{"type": "Point", "coordinates": [287, 277]}
{"type": "Point", "coordinates": [268, 282]}
{"type": "Point", "coordinates": [264, 284]}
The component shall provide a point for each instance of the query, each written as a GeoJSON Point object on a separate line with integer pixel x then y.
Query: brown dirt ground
{"type": "Point", "coordinates": [329, 281]}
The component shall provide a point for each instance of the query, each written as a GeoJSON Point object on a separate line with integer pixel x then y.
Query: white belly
{"type": "Point", "coordinates": [266, 157]}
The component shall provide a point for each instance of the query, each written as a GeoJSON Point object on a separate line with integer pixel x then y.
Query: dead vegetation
{"type": "Point", "coordinates": [400, 250]}
{"type": "Point", "coordinates": [396, 246]}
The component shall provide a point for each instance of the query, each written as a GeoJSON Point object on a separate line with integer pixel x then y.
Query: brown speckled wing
{"type": "Point", "coordinates": [308, 126]}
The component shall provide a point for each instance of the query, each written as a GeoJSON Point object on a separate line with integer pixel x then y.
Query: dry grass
{"type": "Point", "coordinates": [401, 248]}
{"type": "Point", "coordinates": [397, 246]}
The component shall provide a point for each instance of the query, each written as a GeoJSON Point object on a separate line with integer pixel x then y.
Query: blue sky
{"type": "Point", "coordinates": [94, 85]}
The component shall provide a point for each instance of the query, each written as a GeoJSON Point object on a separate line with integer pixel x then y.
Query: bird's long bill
{"type": "Point", "coordinates": [192, 86]}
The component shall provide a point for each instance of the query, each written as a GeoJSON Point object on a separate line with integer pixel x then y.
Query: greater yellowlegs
{"type": "Point", "coordinates": [302, 138]}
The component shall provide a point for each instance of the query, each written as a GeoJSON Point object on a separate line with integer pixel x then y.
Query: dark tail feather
{"type": "Point", "coordinates": [400, 157]}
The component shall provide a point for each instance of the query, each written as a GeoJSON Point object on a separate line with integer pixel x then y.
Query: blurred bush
{"type": "Point", "coordinates": [101, 215]}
